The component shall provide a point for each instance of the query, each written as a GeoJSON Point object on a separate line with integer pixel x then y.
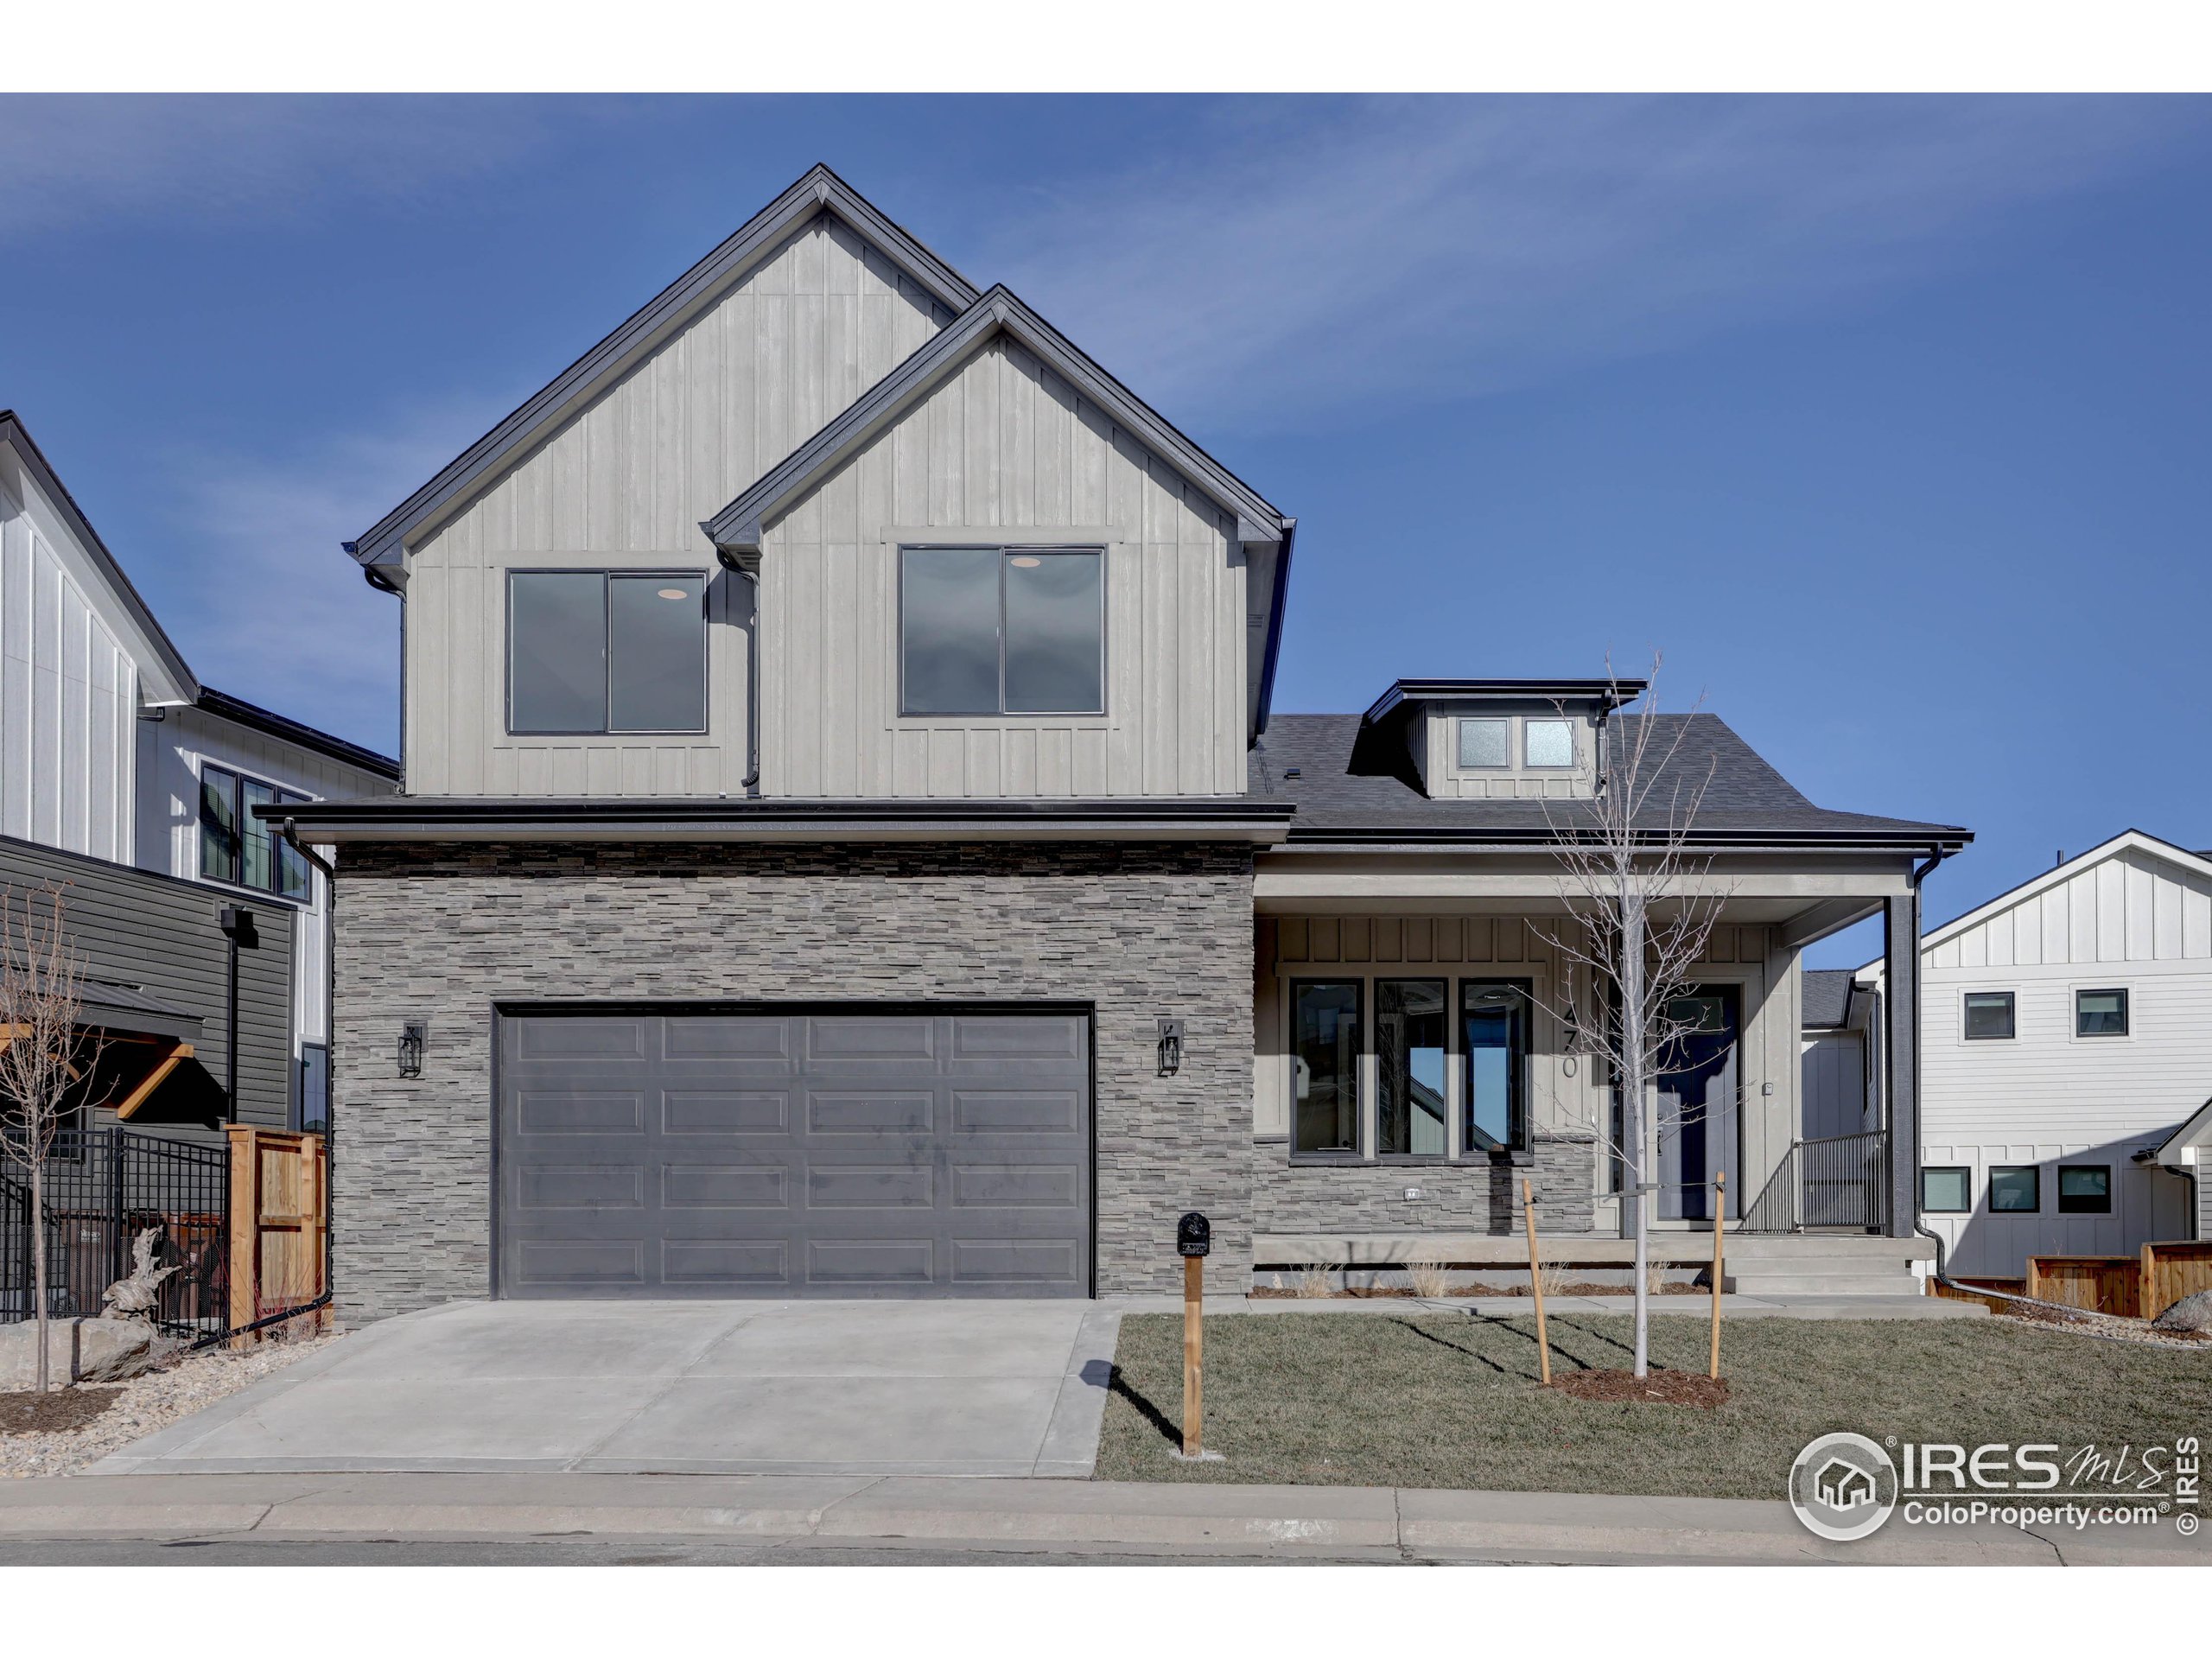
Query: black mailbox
{"type": "Point", "coordinates": [1193, 1235]}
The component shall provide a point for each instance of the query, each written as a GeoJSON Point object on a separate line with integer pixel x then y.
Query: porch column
{"type": "Point", "coordinates": [1900, 1015]}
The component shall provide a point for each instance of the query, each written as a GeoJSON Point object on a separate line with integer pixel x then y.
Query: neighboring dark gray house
{"type": "Point", "coordinates": [128, 785]}
{"type": "Point", "coordinates": [846, 848]}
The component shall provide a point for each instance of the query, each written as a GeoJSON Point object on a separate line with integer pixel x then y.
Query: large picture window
{"type": "Point", "coordinates": [1002, 631]}
{"type": "Point", "coordinates": [1410, 1034]}
{"type": "Point", "coordinates": [600, 651]}
{"type": "Point", "coordinates": [239, 849]}
{"type": "Point", "coordinates": [1325, 1043]}
{"type": "Point", "coordinates": [1494, 1018]}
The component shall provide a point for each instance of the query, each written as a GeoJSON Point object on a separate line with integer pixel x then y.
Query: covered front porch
{"type": "Point", "coordinates": [1415, 1061]}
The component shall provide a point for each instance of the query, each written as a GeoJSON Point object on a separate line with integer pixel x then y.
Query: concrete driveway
{"type": "Point", "coordinates": [939, 1387]}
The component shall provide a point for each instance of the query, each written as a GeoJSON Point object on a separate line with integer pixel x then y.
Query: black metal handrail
{"type": "Point", "coordinates": [1836, 1181]}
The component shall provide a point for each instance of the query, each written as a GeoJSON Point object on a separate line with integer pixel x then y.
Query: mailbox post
{"type": "Point", "coordinates": [1193, 1239]}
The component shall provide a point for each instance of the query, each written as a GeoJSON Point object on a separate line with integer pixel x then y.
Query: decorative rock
{"type": "Point", "coordinates": [107, 1351]}
{"type": "Point", "coordinates": [2190, 1313]}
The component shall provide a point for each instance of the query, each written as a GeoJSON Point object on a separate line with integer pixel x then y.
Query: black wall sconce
{"type": "Point", "coordinates": [1171, 1047]}
{"type": "Point", "coordinates": [412, 1037]}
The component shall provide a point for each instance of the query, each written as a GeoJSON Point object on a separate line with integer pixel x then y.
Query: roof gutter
{"type": "Point", "coordinates": [1487, 839]}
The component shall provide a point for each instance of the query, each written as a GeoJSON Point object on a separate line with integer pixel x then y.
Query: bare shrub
{"type": "Point", "coordinates": [1428, 1279]}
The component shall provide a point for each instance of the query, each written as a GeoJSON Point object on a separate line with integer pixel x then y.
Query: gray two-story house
{"type": "Point", "coordinates": [846, 848]}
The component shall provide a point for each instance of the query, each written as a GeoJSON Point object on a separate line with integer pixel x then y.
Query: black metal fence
{"type": "Point", "coordinates": [104, 1187]}
{"type": "Point", "coordinates": [1836, 1182]}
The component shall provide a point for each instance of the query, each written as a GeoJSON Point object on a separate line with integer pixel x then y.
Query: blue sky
{"type": "Point", "coordinates": [1885, 418]}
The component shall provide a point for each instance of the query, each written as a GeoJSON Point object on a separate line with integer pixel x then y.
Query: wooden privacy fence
{"type": "Point", "coordinates": [2139, 1286]}
{"type": "Point", "coordinates": [280, 1212]}
{"type": "Point", "coordinates": [2101, 1284]}
{"type": "Point", "coordinates": [2173, 1271]}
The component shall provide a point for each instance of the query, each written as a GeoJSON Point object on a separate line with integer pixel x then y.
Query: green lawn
{"type": "Point", "coordinates": [1370, 1400]}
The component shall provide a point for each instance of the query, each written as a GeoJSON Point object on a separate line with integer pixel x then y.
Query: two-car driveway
{"type": "Point", "coordinates": [937, 1387]}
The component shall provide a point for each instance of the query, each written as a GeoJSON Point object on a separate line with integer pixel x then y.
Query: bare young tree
{"type": "Point", "coordinates": [44, 1059]}
{"type": "Point", "coordinates": [1640, 910]}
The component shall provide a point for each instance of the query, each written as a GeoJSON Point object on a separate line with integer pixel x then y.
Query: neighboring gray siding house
{"type": "Point", "coordinates": [130, 785]}
{"type": "Point", "coordinates": [2066, 1061]}
{"type": "Point", "coordinates": [846, 848]}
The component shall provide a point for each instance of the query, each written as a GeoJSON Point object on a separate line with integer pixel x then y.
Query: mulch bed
{"type": "Point", "coordinates": [1625, 1387]}
{"type": "Point", "coordinates": [54, 1412]}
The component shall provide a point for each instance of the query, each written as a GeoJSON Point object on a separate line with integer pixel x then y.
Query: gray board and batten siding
{"type": "Point", "coordinates": [164, 937]}
{"type": "Point", "coordinates": [674, 1152]}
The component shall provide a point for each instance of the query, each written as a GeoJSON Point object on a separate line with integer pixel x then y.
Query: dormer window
{"type": "Point", "coordinates": [1485, 743]}
{"type": "Point", "coordinates": [1550, 742]}
{"type": "Point", "coordinates": [1002, 631]}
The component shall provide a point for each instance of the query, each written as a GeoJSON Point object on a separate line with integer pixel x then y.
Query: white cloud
{"type": "Point", "coordinates": [1330, 255]}
{"type": "Point", "coordinates": [73, 160]}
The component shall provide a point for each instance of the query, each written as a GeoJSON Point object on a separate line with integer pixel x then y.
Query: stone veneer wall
{"type": "Point", "coordinates": [442, 933]}
{"type": "Point", "coordinates": [1468, 1198]}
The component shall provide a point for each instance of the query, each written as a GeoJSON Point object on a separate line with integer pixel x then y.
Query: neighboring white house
{"type": "Point", "coordinates": [2066, 1061]}
{"type": "Point", "coordinates": [111, 749]}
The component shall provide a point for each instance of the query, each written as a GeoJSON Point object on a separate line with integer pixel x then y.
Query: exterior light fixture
{"type": "Point", "coordinates": [1171, 1047]}
{"type": "Point", "coordinates": [412, 1037]}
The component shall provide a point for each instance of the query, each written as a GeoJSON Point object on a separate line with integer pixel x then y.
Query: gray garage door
{"type": "Point", "coordinates": [833, 1154]}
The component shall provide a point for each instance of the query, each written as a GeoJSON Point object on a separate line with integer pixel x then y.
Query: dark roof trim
{"type": "Point", "coordinates": [736, 528]}
{"type": "Point", "coordinates": [111, 1007]}
{"type": "Point", "coordinates": [408, 818]}
{"type": "Point", "coordinates": [2195, 1130]}
{"type": "Point", "coordinates": [1277, 604]}
{"type": "Point", "coordinates": [13, 431]}
{"type": "Point", "coordinates": [817, 190]}
{"type": "Point", "coordinates": [1611, 693]}
{"type": "Point", "coordinates": [226, 707]}
{"type": "Point", "coordinates": [1484, 838]}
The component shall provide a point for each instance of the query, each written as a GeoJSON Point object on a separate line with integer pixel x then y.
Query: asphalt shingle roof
{"type": "Point", "coordinates": [1827, 997]}
{"type": "Point", "coordinates": [1375, 788]}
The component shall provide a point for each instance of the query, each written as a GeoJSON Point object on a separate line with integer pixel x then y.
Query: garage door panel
{"type": "Point", "coordinates": [731, 1263]}
{"type": "Point", "coordinates": [994, 1039]}
{"type": "Point", "coordinates": [571, 1038]}
{"type": "Point", "coordinates": [717, 1037]}
{"type": "Point", "coordinates": [832, 1154]}
{"type": "Point", "coordinates": [842, 1112]}
{"type": "Point", "coordinates": [1034, 1263]}
{"type": "Point", "coordinates": [560, 1111]}
{"type": "Point", "coordinates": [870, 1039]}
{"type": "Point", "coordinates": [699, 1111]}
{"type": "Point", "coordinates": [546, 1265]}
{"type": "Point", "coordinates": [909, 1261]}
{"type": "Point", "coordinates": [725, 1186]}
{"type": "Point", "coordinates": [581, 1186]}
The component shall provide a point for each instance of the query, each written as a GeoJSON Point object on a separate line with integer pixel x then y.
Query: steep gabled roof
{"type": "Point", "coordinates": [736, 528]}
{"type": "Point", "coordinates": [818, 190]}
{"type": "Point", "coordinates": [137, 618]}
{"type": "Point", "coordinates": [2125, 841]}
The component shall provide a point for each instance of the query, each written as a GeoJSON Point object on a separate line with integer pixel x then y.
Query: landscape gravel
{"type": "Point", "coordinates": [146, 1403]}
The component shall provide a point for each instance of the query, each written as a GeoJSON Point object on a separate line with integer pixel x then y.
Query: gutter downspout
{"type": "Point", "coordinates": [290, 831]}
{"type": "Point", "coordinates": [1919, 1223]}
{"type": "Point", "coordinates": [752, 686]}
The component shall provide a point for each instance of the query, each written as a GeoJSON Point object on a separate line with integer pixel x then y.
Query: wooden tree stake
{"type": "Point", "coordinates": [1536, 1280]}
{"type": "Point", "coordinates": [1719, 1226]}
{"type": "Point", "coordinates": [1194, 1275]}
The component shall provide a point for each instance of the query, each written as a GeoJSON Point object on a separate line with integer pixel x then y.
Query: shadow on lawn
{"type": "Point", "coordinates": [1514, 1327]}
{"type": "Point", "coordinates": [1168, 1430]}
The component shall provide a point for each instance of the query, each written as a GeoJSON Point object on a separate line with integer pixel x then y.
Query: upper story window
{"type": "Point", "coordinates": [1988, 1015]}
{"type": "Point", "coordinates": [2100, 1013]}
{"type": "Point", "coordinates": [1002, 631]}
{"type": "Point", "coordinates": [606, 651]}
{"type": "Point", "coordinates": [1485, 743]}
{"type": "Point", "coordinates": [239, 849]}
{"type": "Point", "coordinates": [1550, 742]}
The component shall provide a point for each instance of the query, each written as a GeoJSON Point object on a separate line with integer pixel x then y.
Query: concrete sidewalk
{"type": "Point", "coordinates": [1020, 1516]}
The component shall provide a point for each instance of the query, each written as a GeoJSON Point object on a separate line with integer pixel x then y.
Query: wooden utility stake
{"type": "Point", "coordinates": [1194, 1325]}
{"type": "Point", "coordinates": [1536, 1280]}
{"type": "Point", "coordinates": [1719, 1226]}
